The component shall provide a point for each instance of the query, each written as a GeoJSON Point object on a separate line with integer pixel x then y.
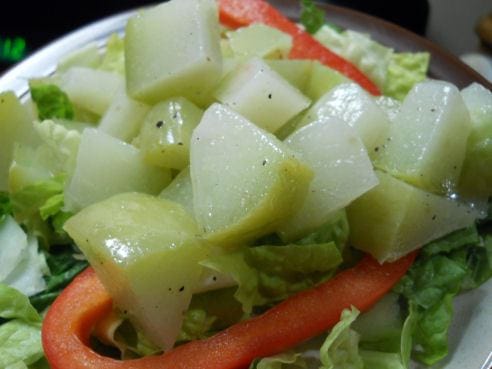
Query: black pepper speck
{"type": "Point", "coordinates": [159, 124]}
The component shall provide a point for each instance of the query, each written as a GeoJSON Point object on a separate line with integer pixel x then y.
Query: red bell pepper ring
{"type": "Point", "coordinates": [70, 320]}
{"type": "Point", "coordinates": [239, 13]}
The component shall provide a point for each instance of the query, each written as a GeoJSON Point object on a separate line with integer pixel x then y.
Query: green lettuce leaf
{"type": "Point", "coordinates": [267, 274]}
{"type": "Point", "coordinates": [15, 305]}
{"type": "Point", "coordinates": [5, 205]}
{"type": "Point", "coordinates": [62, 139]}
{"type": "Point", "coordinates": [341, 348]}
{"type": "Point", "coordinates": [114, 58]}
{"type": "Point", "coordinates": [381, 360]}
{"type": "Point", "coordinates": [20, 335]}
{"type": "Point", "coordinates": [404, 71]}
{"type": "Point", "coordinates": [197, 324]}
{"type": "Point", "coordinates": [19, 342]}
{"type": "Point", "coordinates": [335, 230]}
{"type": "Point", "coordinates": [64, 266]}
{"type": "Point", "coordinates": [312, 17]}
{"type": "Point", "coordinates": [51, 102]}
{"type": "Point", "coordinates": [287, 360]}
{"type": "Point", "coordinates": [39, 207]}
{"type": "Point", "coordinates": [369, 56]}
{"type": "Point", "coordinates": [445, 267]}
{"type": "Point", "coordinates": [430, 335]}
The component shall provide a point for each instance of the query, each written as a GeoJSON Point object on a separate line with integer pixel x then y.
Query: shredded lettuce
{"type": "Point", "coordinates": [114, 58]}
{"type": "Point", "coordinates": [5, 205]}
{"type": "Point", "coordinates": [267, 274]}
{"type": "Point", "coordinates": [39, 207]}
{"type": "Point", "coordinates": [287, 360]}
{"type": "Point", "coordinates": [341, 348]}
{"type": "Point", "coordinates": [63, 265]}
{"type": "Point", "coordinates": [312, 17]}
{"type": "Point", "coordinates": [63, 142]}
{"type": "Point", "coordinates": [20, 335]}
{"type": "Point", "coordinates": [403, 72]}
{"type": "Point", "coordinates": [197, 324]}
{"type": "Point", "coordinates": [51, 102]}
{"type": "Point", "coordinates": [395, 73]}
{"type": "Point", "coordinates": [457, 262]}
{"type": "Point", "coordinates": [369, 56]}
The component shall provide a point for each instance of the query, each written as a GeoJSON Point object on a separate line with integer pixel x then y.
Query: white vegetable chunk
{"type": "Point", "coordinates": [173, 49]}
{"type": "Point", "coordinates": [91, 89]}
{"type": "Point", "coordinates": [395, 218]}
{"type": "Point", "coordinates": [261, 95]}
{"type": "Point", "coordinates": [427, 140]}
{"type": "Point", "coordinates": [15, 128]}
{"type": "Point", "coordinates": [124, 117]}
{"type": "Point", "coordinates": [245, 182]}
{"type": "Point", "coordinates": [107, 166]}
{"type": "Point", "coordinates": [342, 172]}
{"type": "Point", "coordinates": [350, 103]}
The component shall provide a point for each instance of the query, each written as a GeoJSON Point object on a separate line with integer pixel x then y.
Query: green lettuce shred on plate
{"type": "Point", "coordinates": [39, 207]}
{"type": "Point", "coordinates": [270, 273]}
{"type": "Point", "coordinates": [51, 102]}
{"type": "Point", "coordinates": [113, 59]}
{"type": "Point", "coordinates": [312, 17]}
{"type": "Point", "coordinates": [394, 73]}
{"type": "Point", "coordinates": [455, 263]}
{"type": "Point", "coordinates": [20, 331]}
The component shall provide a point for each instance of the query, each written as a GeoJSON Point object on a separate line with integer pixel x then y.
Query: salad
{"type": "Point", "coordinates": [223, 188]}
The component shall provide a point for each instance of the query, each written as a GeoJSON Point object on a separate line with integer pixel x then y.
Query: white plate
{"type": "Point", "coordinates": [471, 331]}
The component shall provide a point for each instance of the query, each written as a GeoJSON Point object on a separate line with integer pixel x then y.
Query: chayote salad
{"type": "Point", "coordinates": [223, 188]}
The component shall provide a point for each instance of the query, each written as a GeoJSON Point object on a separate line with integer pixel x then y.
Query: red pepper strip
{"type": "Point", "coordinates": [68, 324]}
{"type": "Point", "coordinates": [239, 13]}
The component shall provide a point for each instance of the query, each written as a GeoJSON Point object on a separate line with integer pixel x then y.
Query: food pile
{"type": "Point", "coordinates": [230, 189]}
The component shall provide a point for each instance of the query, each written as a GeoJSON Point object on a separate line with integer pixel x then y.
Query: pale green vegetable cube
{"type": "Point", "coordinates": [107, 166]}
{"type": "Point", "coordinates": [350, 103]}
{"type": "Point", "coordinates": [476, 176]}
{"type": "Point", "coordinates": [145, 252]}
{"type": "Point", "coordinates": [124, 117]}
{"type": "Point", "coordinates": [261, 95]}
{"type": "Point", "coordinates": [91, 89]}
{"type": "Point", "coordinates": [15, 127]}
{"type": "Point", "coordinates": [166, 131]}
{"type": "Point", "coordinates": [395, 218]}
{"type": "Point", "coordinates": [426, 144]}
{"type": "Point", "coordinates": [245, 182]}
{"type": "Point", "coordinates": [322, 80]}
{"type": "Point", "coordinates": [342, 172]}
{"type": "Point", "coordinates": [296, 72]}
{"type": "Point", "coordinates": [173, 49]}
{"type": "Point", "coordinates": [31, 165]}
{"type": "Point", "coordinates": [180, 190]}
{"type": "Point", "coordinates": [260, 40]}
{"type": "Point", "coordinates": [389, 105]}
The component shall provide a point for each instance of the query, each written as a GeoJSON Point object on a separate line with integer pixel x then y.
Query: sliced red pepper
{"type": "Point", "coordinates": [239, 13]}
{"type": "Point", "coordinates": [69, 321]}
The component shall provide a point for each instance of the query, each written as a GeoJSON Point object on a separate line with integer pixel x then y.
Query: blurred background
{"type": "Point", "coordinates": [25, 27]}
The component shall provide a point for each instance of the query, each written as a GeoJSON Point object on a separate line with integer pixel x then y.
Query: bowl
{"type": "Point", "coordinates": [471, 330]}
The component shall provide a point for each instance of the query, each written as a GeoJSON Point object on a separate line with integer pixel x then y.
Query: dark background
{"type": "Point", "coordinates": [40, 22]}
